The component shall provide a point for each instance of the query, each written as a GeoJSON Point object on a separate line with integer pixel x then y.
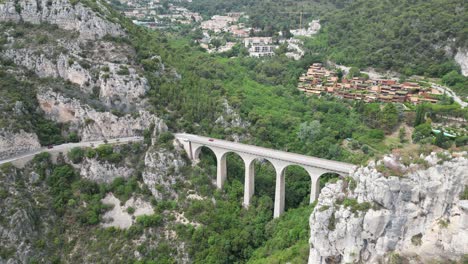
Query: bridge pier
{"type": "Point", "coordinates": [221, 170]}
{"type": "Point", "coordinates": [279, 159]}
{"type": "Point", "coordinates": [249, 180]}
{"type": "Point", "coordinates": [314, 174]}
{"type": "Point", "coordinates": [279, 193]}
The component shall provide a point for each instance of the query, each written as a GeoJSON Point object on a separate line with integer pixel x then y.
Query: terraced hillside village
{"type": "Point", "coordinates": [95, 95]}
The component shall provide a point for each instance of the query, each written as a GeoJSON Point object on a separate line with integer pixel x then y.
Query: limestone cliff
{"type": "Point", "coordinates": [372, 218]}
{"type": "Point", "coordinates": [162, 171]}
{"type": "Point", "coordinates": [92, 124]}
{"type": "Point", "coordinates": [106, 172]}
{"type": "Point", "coordinates": [12, 144]}
{"type": "Point", "coordinates": [63, 13]}
{"type": "Point", "coordinates": [462, 58]}
{"type": "Point", "coordinates": [96, 86]}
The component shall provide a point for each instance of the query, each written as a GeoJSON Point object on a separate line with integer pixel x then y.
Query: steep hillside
{"type": "Point", "coordinates": [410, 37]}
{"type": "Point", "coordinates": [68, 69]}
{"type": "Point", "coordinates": [375, 217]}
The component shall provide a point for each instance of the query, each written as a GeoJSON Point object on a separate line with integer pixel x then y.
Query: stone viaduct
{"type": "Point", "coordinates": [279, 159]}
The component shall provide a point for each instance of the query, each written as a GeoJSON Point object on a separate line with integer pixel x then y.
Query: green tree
{"type": "Point", "coordinates": [440, 139]}
{"type": "Point", "coordinates": [402, 135]}
{"type": "Point", "coordinates": [76, 154]}
{"type": "Point", "coordinates": [309, 131]}
{"type": "Point", "coordinates": [452, 78]}
{"type": "Point", "coordinates": [389, 117]}
{"type": "Point", "coordinates": [421, 131]}
{"type": "Point", "coordinates": [354, 72]}
{"type": "Point", "coordinates": [216, 42]}
{"type": "Point", "coordinates": [420, 112]}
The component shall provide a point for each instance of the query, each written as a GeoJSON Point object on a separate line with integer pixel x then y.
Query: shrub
{"type": "Point", "coordinates": [123, 71]}
{"type": "Point", "coordinates": [130, 210]}
{"type": "Point", "coordinates": [73, 137]}
{"type": "Point", "coordinates": [7, 167]}
{"type": "Point", "coordinates": [443, 223]}
{"type": "Point", "coordinates": [149, 220]}
{"type": "Point", "coordinates": [464, 194]}
{"type": "Point", "coordinates": [417, 239]}
{"type": "Point", "coordinates": [76, 155]}
{"type": "Point", "coordinates": [352, 184]}
{"type": "Point", "coordinates": [461, 141]}
{"type": "Point", "coordinates": [90, 153]}
{"type": "Point", "coordinates": [355, 206]}
{"type": "Point", "coordinates": [42, 39]}
{"type": "Point", "coordinates": [332, 222]}
{"type": "Point", "coordinates": [89, 121]}
{"type": "Point", "coordinates": [165, 137]}
{"type": "Point", "coordinates": [324, 208]}
{"type": "Point", "coordinates": [3, 193]}
{"type": "Point", "coordinates": [422, 131]}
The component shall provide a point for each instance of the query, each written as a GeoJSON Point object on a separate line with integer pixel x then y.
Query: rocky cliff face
{"type": "Point", "coordinates": [77, 42]}
{"type": "Point", "coordinates": [114, 81]}
{"type": "Point", "coordinates": [162, 171]}
{"type": "Point", "coordinates": [93, 125]}
{"type": "Point", "coordinates": [372, 218]}
{"type": "Point", "coordinates": [63, 13]}
{"type": "Point", "coordinates": [106, 172]}
{"type": "Point", "coordinates": [12, 144]}
{"type": "Point", "coordinates": [462, 58]}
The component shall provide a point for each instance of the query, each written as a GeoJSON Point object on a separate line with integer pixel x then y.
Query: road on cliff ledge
{"type": "Point", "coordinates": [67, 146]}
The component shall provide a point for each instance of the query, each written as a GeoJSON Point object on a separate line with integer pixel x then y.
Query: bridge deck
{"type": "Point", "coordinates": [269, 153]}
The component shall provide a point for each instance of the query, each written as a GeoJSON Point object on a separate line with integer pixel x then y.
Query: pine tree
{"type": "Point", "coordinates": [419, 115]}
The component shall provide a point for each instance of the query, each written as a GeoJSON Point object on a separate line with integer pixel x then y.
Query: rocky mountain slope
{"type": "Point", "coordinates": [371, 218]}
{"type": "Point", "coordinates": [79, 44]}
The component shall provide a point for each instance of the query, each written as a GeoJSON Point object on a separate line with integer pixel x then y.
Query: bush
{"type": "Point", "coordinates": [461, 141]}
{"type": "Point", "coordinates": [73, 137]}
{"type": "Point", "coordinates": [90, 153]}
{"type": "Point", "coordinates": [417, 239]}
{"type": "Point", "coordinates": [106, 152]}
{"type": "Point", "coordinates": [464, 194]}
{"type": "Point", "coordinates": [165, 137]}
{"type": "Point", "coordinates": [76, 155]}
{"type": "Point", "coordinates": [422, 131]}
{"type": "Point", "coordinates": [123, 71]}
{"type": "Point", "coordinates": [149, 220]}
{"type": "Point", "coordinates": [332, 222]}
{"type": "Point", "coordinates": [130, 210]}
{"type": "Point", "coordinates": [352, 184]}
{"type": "Point", "coordinates": [355, 206]}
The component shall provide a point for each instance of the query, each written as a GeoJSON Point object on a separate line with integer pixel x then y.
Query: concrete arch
{"type": "Point", "coordinates": [279, 159]}
{"type": "Point", "coordinates": [221, 172]}
{"type": "Point", "coordinates": [298, 176]}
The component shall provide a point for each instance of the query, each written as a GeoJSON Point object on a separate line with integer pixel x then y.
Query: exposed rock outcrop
{"type": "Point", "coordinates": [63, 13]}
{"type": "Point", "coordinates": [94, 125]}
{"type": "Point", "coordinates": [462, 58]}
{"type": "Point", "coordinates": [12, 144]}
{"type": "Point", "coordinates": [103, 172]}
{"type": "Point", "coordinates": [419, 216]}
{"type": "Point", "coordinates": [162, 170]}
{"type": "Point", "coordinates": [120, 90]}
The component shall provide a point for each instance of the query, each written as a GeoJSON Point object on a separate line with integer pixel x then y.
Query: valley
{"type": "Point", "coordinates": [206, 132]}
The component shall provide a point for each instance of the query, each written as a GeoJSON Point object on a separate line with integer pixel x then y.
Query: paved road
{"type": "Point", "coordinates": [67, 146]}
{"type": "Point", "coordinates": [269, 153]}
{"type": "Point", "coordinates": [450, 93]}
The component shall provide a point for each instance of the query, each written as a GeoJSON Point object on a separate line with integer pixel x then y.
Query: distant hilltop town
{"type": "Point", "coordinates": [319, 80]}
